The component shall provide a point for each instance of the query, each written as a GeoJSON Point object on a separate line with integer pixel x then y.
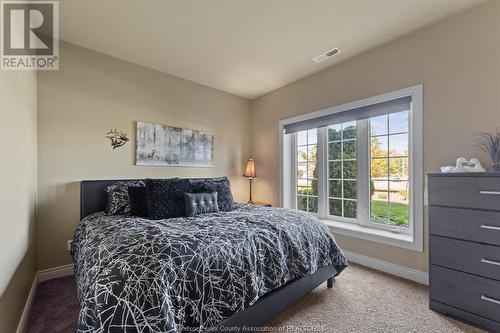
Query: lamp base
{"type": "Point", "coordinates": [250, 201]}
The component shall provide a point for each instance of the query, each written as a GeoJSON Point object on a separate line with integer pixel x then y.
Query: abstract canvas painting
{"type": "Point", "coordinates": [173, 146]}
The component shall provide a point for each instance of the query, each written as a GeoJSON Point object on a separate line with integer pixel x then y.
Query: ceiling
{"type": "Point", "coordinates": [244, 47]}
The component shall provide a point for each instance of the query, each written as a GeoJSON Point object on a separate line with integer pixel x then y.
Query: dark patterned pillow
{"type": "Point", "coordinates": [138, 199]}
{"type": "Point", "coordinates": [166, 197]}
{"type": "Point", "coordinates": [203, 185]}
{"type": "Point", "coordinates": [220, 185]}
{"type": "Point", "coordinates": [118, 202]}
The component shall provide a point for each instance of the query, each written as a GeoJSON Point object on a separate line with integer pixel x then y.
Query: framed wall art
{"type": "Point", "coordinates": [173, 146]}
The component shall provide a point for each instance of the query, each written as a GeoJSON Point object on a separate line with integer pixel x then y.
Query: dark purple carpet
{"type": "Point", "coordinates": [55, 308]}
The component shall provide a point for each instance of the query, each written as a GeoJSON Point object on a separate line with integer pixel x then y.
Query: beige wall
{"type": "Point", "coordinates": [457, 61]}
{"type": "Point", "coordinates": [18, 182]}
{"type": "Point", "coordinates": [92, 93]}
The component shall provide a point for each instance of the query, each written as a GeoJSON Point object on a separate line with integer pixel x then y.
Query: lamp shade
{"type": "Point", "coordinates": [250, 170]}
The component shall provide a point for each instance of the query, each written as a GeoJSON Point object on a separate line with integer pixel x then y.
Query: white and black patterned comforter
{"type": "Point", "coordinates": [189, 274]}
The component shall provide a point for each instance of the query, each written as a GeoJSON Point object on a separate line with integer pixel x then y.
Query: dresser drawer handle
{"type": "Point", "coordinates": [490, 192]}
{"type": "Point", "coordinates": [491, 227]}
{"type": "Point", "coordinates": [491, 262]}
{"type": "Point", "coordinates": [489, 299]}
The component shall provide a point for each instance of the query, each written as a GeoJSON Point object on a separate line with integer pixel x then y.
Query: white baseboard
{"type": "Point", "coordinates": [41, 276]}
{"type": "Point", "coordinates": [27, 307]}
{"type": "Point", "coordinates": [54, 273]}
{"type": "Point", "coordinates": [388, 267]}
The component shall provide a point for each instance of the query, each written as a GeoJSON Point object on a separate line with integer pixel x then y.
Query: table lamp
{"type": "Point", "coordinates": [251, 175]}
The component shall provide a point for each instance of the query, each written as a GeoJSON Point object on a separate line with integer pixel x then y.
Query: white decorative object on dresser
{"type": "Point", "coordinates": [464, 247]}
{"type": "Point", "coordinates": [462, 165]}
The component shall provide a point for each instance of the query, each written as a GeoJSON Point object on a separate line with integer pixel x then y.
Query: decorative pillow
{"type": "Point", "coordinates": [220, 185]}
{"type": "Point", "coordinates": [118, 203]}
{"type": "Point", "coordinates": [138, 199]}
{"type": "Point", "coordinates": [201, 203]}
{"type": "Point", "coordinates": [166, 197]}
{"type": "Point", "coordinates": [203, 185]}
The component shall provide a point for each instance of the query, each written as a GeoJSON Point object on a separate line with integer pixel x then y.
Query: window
{"type": "Point", "coordinates": [342, 165]}
{"type": "Point", "coordinates": [389, 169]}
{"type": "Point", "coordinates": [358, 167]}
{"type": "Point", "coordinates": [307, 171]}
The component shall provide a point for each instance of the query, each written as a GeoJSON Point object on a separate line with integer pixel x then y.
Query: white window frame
{"type": "Point", "coordinates": [411, 238]}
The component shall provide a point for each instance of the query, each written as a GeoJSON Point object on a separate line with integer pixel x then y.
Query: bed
{"type": "Point", "coordinates": [226, 271]}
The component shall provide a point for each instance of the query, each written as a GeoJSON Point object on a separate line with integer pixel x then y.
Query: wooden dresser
{"type": "Point", "coordinates": [464, 247]}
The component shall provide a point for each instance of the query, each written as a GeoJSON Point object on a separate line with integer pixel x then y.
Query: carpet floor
{"type": "Point", "coordinates": [362, 300]}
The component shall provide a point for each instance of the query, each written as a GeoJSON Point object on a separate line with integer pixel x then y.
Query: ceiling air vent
{"type": "Point", "coordinates": [326, 55]}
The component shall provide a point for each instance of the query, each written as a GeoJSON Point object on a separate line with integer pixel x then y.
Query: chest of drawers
{"type": "Point", "coordinates": [464, 247]}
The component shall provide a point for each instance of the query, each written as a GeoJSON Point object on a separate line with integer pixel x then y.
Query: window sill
{"type": "Point", "coordinates": [372, 234]}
